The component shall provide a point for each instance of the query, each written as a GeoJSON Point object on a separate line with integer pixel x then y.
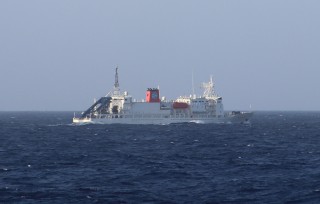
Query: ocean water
{"type": "Point", "coordinates": [46, 159]}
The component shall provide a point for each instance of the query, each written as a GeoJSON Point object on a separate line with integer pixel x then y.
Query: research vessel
{"type": "Point", "coordinates": [120, 108]}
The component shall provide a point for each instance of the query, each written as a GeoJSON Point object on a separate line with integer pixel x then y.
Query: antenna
{"type": "Point", "coordinates": [192, 85]}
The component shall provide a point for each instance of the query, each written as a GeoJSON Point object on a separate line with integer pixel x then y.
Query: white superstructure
{"type": "Point", "coordinates": [117, 107]}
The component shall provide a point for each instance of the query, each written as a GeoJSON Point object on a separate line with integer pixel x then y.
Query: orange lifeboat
{"type": "Point", "coordinates": [180, 105]}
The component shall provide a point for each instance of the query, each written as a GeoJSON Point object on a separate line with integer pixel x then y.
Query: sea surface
{"type": "Point", "coordinates": [44, 158]}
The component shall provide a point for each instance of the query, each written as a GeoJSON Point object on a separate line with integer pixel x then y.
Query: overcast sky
{"type": "Point", "coordinates": [59, 55]}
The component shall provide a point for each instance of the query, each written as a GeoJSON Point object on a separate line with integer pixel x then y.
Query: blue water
{"type": "Point", "coordinates": [46, 159]}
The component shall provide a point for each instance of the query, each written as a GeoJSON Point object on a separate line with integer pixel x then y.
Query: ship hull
{"type": "Point", "coordinates": [239, 118]}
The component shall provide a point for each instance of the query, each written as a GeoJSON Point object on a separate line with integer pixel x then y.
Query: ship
{"type": "Point", "coordinates": [118, 107]}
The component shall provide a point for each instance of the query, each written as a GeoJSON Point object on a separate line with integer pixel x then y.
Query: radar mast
{"type": "Point", "coordinates": [208, 88]}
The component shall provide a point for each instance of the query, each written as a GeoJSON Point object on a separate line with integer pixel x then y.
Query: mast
{"type": "Point", "coordinates": [116, 89]}
{"type": "Point", "coordinates": [116, 83]}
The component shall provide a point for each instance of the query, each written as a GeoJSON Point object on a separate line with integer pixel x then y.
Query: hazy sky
{"type": "Point", "coordinates": [59, 55]}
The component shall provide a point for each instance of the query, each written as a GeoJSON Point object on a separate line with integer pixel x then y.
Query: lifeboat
{"type": "Point", "coordinates": [180, 105]}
